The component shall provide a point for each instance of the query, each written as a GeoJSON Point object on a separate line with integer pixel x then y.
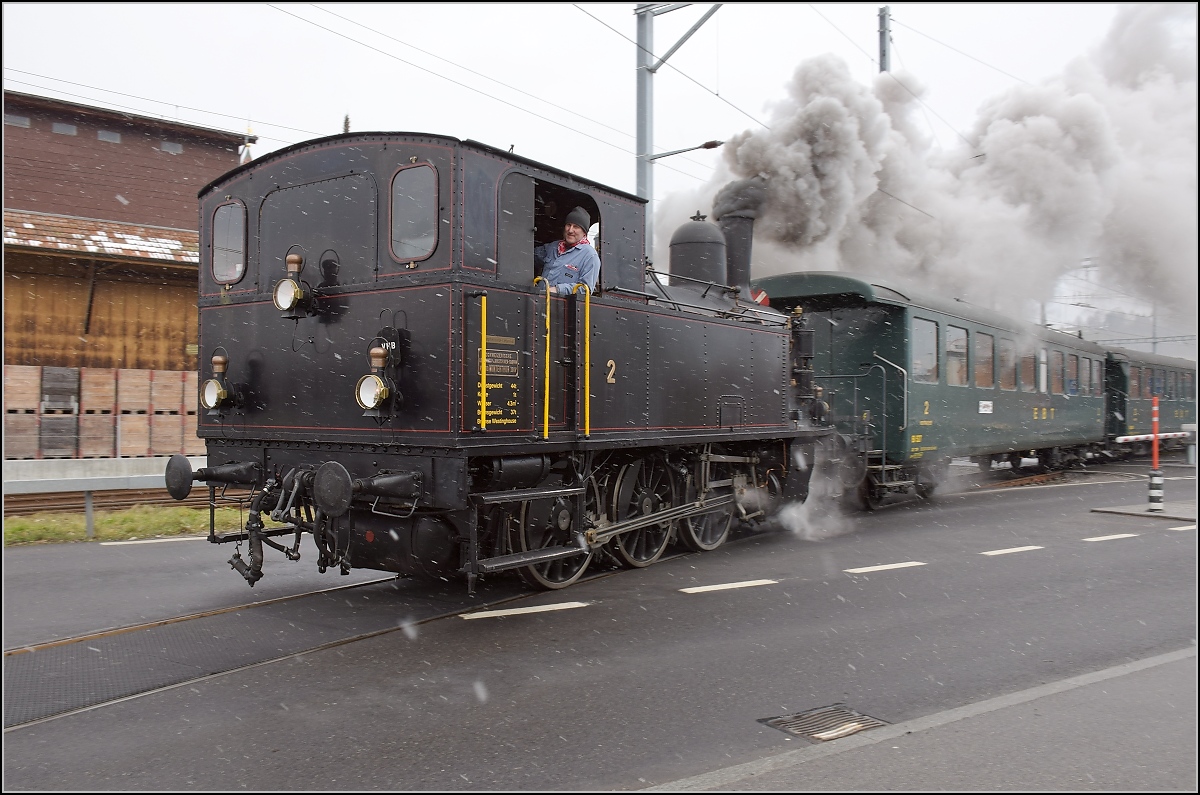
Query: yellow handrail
{"type": "Point", "coordinates": [546, 391]}
{"type": "Point", "coordinates": [587, 359]}
{"type": "Point", "coordinates": [483, 362]}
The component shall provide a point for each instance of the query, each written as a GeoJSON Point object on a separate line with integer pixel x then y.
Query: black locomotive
{"type": "Point", "coordinates": [387, 373]}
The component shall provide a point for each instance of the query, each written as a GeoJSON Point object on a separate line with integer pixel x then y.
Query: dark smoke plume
{"type": "Point", "coordinates": [1097, 164]}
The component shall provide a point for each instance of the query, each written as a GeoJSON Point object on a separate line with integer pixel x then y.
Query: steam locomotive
{"type": "Point", "coordinates": [388, 373]}
{"type": "Point", "coordinates": [383, 369]}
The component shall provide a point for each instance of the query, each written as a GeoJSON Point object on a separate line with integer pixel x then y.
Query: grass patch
{"type": "Point", "coordinates": [139, 522]}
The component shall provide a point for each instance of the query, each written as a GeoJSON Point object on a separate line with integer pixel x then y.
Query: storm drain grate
{"type": "Point", "coordinates": [824, 724]}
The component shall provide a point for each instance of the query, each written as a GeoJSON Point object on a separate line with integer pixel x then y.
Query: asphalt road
{"type": "Point", "coordinates": [642, 684]}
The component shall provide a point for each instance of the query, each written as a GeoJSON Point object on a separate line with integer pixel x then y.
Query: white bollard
{"type": "Point", "coordinates": [1156, 490]}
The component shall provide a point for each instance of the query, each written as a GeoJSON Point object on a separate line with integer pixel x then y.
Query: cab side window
{"type": "Point", "coordinates": [229, 243]}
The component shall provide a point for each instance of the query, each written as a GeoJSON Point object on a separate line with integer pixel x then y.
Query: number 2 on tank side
{"type": "Point", "coordinates": [612, 371]}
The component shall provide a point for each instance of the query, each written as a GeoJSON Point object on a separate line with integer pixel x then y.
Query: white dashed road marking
{"type": "Point", "coordinates": [1110, 538]}
{"type": "Point", "coordinates": [865, 569]}
{"type": "Point", "coordinates": [727, 586]}
{"type": "Point", "coordinates": [1007, 551]}
{"type": "Point", "coordinates": [1185, 527]}
{"type": "Point", "coordinates": [519, 610]}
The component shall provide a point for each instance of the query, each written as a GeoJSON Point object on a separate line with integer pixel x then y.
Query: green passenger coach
{"type": "Point", "coordinates": [912, 380]}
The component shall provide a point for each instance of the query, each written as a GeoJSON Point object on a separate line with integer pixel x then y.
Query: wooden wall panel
{"type": "Point", "coordinates": [141, 318]}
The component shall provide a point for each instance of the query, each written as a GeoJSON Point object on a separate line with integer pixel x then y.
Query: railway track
{"type": "Point", "coordinates": [74, 501]}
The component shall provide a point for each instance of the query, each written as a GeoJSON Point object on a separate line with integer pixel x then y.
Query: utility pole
{"type": "Point", "coordinates": [1154, 325]}
{"type": "Point", "coordinates": [646, 67]}
{"type": "Point", "coordinates": [885, 39]}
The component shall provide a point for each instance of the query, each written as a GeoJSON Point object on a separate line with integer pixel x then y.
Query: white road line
{"type": "Point", "coordinates": [1185, 527]}
{"type": "Point", "coordinates": [881, 568]}
{"type": "Point", "coordinates": [727, 586]}
{"type": "Point", "coordinates": [1110, 538]}
{"type": "Point", "coordinates": [152, 541]}
{"type": "Point", "coordinates": [519, 610]}
{"type": "Point", "coordinates": [1007, 551]}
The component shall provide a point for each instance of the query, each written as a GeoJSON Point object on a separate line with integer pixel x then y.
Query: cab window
{"type": "Point", "coordinates": [229, 243]}
{"type": "Point", "coordinates": [414, 212]}
{"type": "Point", "coordinates": [1056, 372]}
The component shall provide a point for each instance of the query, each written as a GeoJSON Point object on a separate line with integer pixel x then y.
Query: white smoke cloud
{"type": "Point", "coordinates": [1098, 163]}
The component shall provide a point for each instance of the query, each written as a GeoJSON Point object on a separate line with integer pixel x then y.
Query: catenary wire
{"type": "Point", "coordinates": [472, 89]}
{"type": "Point", "coordinates": [492, 79]}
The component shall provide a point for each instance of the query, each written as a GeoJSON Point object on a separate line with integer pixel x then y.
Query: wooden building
{"type": "Point", "coordinates": [100, 259]}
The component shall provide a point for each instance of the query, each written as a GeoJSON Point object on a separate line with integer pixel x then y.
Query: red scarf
{"type": "Point", "coordinates": [562, 245]}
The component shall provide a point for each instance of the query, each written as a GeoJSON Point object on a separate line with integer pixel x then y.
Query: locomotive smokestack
{"type": "Point", "coordinates": [735, 208]}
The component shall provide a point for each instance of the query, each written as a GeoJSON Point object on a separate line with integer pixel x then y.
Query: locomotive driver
{"type": "Point", "coordinates": [572, 260]}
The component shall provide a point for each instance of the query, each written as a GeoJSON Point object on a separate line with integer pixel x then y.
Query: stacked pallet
{"type": "Point", "coordinates": [22, 399]}
{"type": "Point", "coordinates": [89, 412]}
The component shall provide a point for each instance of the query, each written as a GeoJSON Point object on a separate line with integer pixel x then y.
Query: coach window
{"type": "Point", "coordinates": [1056, 373]}
{"type": "Point", "coordinates": [1147, 383]}
{"type": "Point", "coordinates": [1008, 364]}
{"type": "Point", "coordinates": [985, 361]}
{"type": "Point", "coordinates": [1097, 377]}
{"type": "Point", "coordinates": [956, 356]}
{"type": "Point", "coordinates": [414, 213]}
{"type": "Point", "coordinates": [1189, 392]}
{"type": "Point", "coordinates": [924, 351]}
{"type": "Point", "coordinates": [229, 243]}
{"type": "Point", "coordinates": [1135, 379]}
{"type": "Point", "coordinates": [1172, 385]}
{"type": "Point", "coordinates": [1043, 371]}
{"type": "Point", "coordinates": [1072, 374]}
{"type": "Point", "coordinates": [1029, 372]}
{"type": "Point", "coordinates": [1085, 376]}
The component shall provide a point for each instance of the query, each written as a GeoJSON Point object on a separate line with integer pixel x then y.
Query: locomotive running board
{"type": "Point", "coordinates": [518, 559]}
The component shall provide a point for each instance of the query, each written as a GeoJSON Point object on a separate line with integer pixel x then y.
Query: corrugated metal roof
{"type": "Point", "coordinates": [90, 236]}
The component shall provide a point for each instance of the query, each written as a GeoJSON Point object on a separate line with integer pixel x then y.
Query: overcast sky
{"type": "Point", "coordinates": [555, 81]}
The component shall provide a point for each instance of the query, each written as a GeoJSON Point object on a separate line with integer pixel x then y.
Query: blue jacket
{"type": "Point", "coordinates": [579, 264]}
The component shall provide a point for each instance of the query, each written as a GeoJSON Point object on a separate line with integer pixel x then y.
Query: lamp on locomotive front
{"type": "Point", "coordinates": [213, 392]}
{"type": "Point", "coordinates": [373, 389]}
{"type": "Point", "coordinates": [289, 295]}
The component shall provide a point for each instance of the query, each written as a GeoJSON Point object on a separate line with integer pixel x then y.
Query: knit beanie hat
{"type": "Point", "coordinates": [580, 218]}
